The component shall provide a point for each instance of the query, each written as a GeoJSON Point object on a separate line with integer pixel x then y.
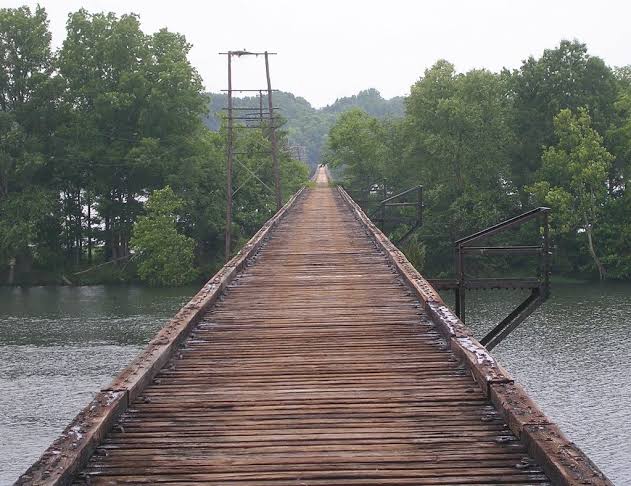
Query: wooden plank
{"type": "Point", "coordinates": [329, 361]}
{"type": "Point", "coordinates": [73, 448]}
{"type": "Point", "coordinates": [562, 460]}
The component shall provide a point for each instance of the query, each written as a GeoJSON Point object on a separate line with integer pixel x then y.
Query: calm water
{"type": "Point", "coordinates": [59, 345]}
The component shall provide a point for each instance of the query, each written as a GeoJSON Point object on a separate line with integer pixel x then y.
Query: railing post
{"type": "Point", "coordinates": [460, 289]}
{"type": "Point", "coordinates": [419, 206]}
{"type": "Point", "coordinates": [384, 193]}
{"type": "Point", "coordinates": [546, 255]}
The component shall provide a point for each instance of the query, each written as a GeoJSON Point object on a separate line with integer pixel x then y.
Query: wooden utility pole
{"type": "Point", "coordinates": [228, 234]}
{"type": "Point", "coordinates": [272, 126]}
{"type": "Point", "coordinates": [230, 139]}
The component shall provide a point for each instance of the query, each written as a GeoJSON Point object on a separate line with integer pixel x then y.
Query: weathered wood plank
{"type": "Point", "coordinates": [73, 448]}
{"type": "Point", "coordinates": [329, 361]}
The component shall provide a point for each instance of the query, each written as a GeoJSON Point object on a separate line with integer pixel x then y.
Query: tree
{"type": "Point", "coordinates": [369, 101]}
{"type": "Point", "coordinates": [356, 143]}
{"type": "Point", "coordinates": [25, 55]}
{"type": "Point", "coordinates": [564, 77]}
{"type": "Point", "coordinates": [134, 102]}
{"type": "Point", "coordinates": [455, 144]}
{"type": "Point", "coordinates": [573, 178]}
{"type": "Point", "coordinates": [308, 126]}
{"type": "Point", "coordinates": [457, 127]}
{"type": "Point", "coordinates": [26, 201]}
{"type": "Point", "coordinates": [165, 256]}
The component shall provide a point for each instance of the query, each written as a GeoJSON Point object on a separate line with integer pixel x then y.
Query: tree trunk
{"type": "Point", "coordinates": [458, 166]}
{"type": "Point", "coordinates": [79, 232]}
{"type": "Point", "coordinates": [68, 226]}
{"type": "Point", "coordinates": [12, 263]}
{"type": "Point", "coordinates": [108, 237]}
{"type": "Point", "coordinates": [89, 203]}
{"type": "Point", "coordinates": [4, 186]}
{"type": "Point", "coordinates": [592, 251]}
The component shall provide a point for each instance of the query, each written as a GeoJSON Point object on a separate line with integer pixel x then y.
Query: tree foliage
{"type": "Point", "coordinates": [357, 143]}
{"type": "Point", "coordinates": [566, 77]}
{"type": "Point", "coordinates": [573, 178]}
{"type": "Point", "coordinates": [87, 133]}
{"type": "Point", "coordinates": [306, 126]}
{"type": "Point", "coordinates": [487, 146]}
{"type": "Point", "coordinates": [165, 256]}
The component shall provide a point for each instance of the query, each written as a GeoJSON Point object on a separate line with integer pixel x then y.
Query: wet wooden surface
{"type": "Point", "coordinates": [317, 367]}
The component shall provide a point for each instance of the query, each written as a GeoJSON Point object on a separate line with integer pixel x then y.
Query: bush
{"type": "Point", "coordinates": [165, 257]}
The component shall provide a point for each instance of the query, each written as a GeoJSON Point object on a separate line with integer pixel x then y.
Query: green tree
{"type": "Point", "coordinates": [134, 101]}
{"type": "Point", "coordinates": [370, 101]}
{"type": "Point", "coordinates": [573, 178]}
{"type": "Point", "coordinates": [307, 126]}
{"type": "Point", "coordinates": [564, 77]}
{"type": "Point", "coordinates": [27, 203]}
{"type": "Point", "coordinates": [457, 127]}
{"type": "Point", "coordinates": [455, 144]}
{"type": "Point", "coordinates": [165, 256]}
{"type": "Point", "coordinates": [356, 144]}
{"type": "Point", "coordinates": [29, 227]}
{"type": "Point", "coordinates": [25, 55]}
{"type": "Point", "coordinates": [199, 180]}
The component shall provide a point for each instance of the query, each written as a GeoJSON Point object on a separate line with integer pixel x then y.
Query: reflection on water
{"type": "Point", "coordinates": [45, 316]}
{"type": "Point", "coordinates": [61, 344]}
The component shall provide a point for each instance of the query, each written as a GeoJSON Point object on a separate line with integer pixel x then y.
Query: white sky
{"type": "Point", "coordinates": [328, 49]}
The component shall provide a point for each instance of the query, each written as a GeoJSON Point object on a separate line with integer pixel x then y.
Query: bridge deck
{"type": "Point", "coordinates": [318, 367]}
{"type": "Point", "coordinates": [323, 363]}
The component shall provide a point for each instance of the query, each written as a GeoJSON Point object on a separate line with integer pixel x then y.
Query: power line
{"type": "Point", "coordinates": [254, 117]}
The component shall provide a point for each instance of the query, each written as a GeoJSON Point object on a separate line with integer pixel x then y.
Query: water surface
{"type": "Point", "coordinates": [58, 345]}
{"type": "Point", "coordinates": [573, 357]}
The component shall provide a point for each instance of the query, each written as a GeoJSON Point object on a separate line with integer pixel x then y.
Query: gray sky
{"type": "Point", "coordinates": [328, 49]}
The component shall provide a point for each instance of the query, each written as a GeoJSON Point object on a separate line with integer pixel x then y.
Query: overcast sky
{"type": "Point", "coordinates": [329, 49]}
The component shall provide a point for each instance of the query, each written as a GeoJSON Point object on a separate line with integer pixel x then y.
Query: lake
{"type": "Point", "coordinates": [59, 345]}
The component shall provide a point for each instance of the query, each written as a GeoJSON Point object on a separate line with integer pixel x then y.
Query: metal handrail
{"type": "Point", "coordinates": [386, 203]}
{"type": "Point", "coordinates": [504, 225]}
{"type": "Point", "coordinates": [540, 286]}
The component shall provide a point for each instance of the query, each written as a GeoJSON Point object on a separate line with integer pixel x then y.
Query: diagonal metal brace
{"type": "Point", "coordinates": [513, 320]}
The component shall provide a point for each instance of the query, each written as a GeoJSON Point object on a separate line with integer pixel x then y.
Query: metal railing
{"type": "Point", "coordinates": [415, 221]}
{"type": "Point", "coordinates": [539, 286]}
{"type": "Point", "coordinates": [379, 213]}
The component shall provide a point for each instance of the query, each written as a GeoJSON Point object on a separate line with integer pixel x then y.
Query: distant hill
{"type": "Point", "coordinates": [371, 102]}
{"type": "Point", "coordinates": [308, 126]}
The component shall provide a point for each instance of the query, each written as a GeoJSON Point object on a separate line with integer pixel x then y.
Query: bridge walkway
{"type": "Point", "coordinates": [318, 365]}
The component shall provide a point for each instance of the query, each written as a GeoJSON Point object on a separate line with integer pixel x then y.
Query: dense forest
{"type": "Point", "coordinates": [308, 127]}
{"type": "Point", "coordinates": [112, 156]}
{"type": "Point", "coordinates": [486, 146]}
{"type": "Point", "coordinates": [107, 171]}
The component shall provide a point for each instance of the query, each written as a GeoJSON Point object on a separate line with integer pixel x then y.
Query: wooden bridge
{"type": "Point", "coordinates": [317, 356]}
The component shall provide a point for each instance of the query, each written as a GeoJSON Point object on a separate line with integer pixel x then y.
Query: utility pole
{"type": "Point", "coordinates": [247, 115]}
{"type": "Point", "coordinates": [228, 235]}
{"type": "Point", "coordinates": [279, 196]}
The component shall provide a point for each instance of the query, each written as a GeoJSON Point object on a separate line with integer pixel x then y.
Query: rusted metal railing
{"type": "Point", "coordinates": [380, 215]}
{"type": "Point", "coordinates": [539, 286]}
{"type": "Point", "coordinates": [391, 202]}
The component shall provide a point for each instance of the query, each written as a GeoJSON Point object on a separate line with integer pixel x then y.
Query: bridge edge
{"type": "Point", "coordinates": [563, 461]}
{"type": "Point", "coordinates": [75, 445]}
